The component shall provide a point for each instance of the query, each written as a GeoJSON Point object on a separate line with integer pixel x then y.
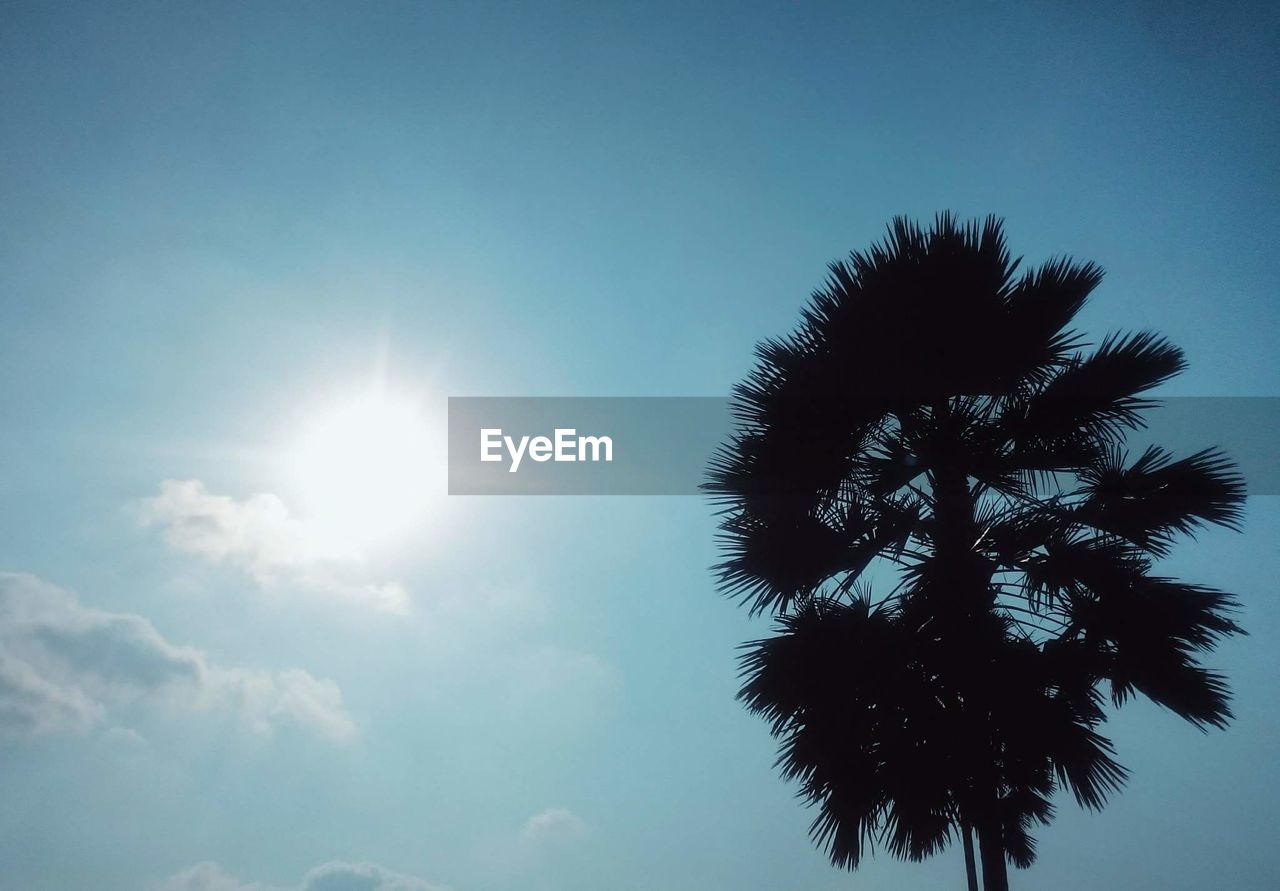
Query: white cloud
{"type": "Point", "coordinates": [542, 841]}
{"type": "Point", "coordinates": [66, 667]}
{"type": "Point", "coordinates": [261, 538]}
{"type": "Point", "coordinates": [266, 700]}
{"type": "Point", "coordinates": [206, 877]}
{"type": "Point", "coordinates": [333, 876]}
{"type": "Point", "coordinates": [554, 826]}
{"type": "Point", "coordinates": [339, 876]}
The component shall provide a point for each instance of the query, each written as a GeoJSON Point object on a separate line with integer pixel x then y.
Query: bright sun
{"type": "Point", "coordinates": [364, 467]}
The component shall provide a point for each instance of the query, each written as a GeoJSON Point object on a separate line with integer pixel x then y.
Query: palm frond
{"type": "Point", "coordinates": [1100, 394]}
{"type": "Point", "coordinates": [1156, 498]}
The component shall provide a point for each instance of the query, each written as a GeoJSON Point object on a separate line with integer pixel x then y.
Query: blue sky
{"type": "Point", "coordinates": [220, 218]}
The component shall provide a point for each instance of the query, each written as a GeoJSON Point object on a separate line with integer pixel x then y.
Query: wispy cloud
{"type": "Point", "coordinates": [333, 876]}
{"type": "Point", "coordinates": [259, 537]}
{"type": "Point", "coordinates": [555, 826]}
{"type": "Point", "coordinates": [66, 667]}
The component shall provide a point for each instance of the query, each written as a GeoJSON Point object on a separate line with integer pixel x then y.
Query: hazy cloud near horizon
{"type": "Point", "coordinates": [333, 876]}
{"type": "Point", "coordinates": [69, 668]}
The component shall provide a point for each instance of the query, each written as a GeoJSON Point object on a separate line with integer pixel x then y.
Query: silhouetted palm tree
{"type": "Point", "coordinates": [933, 427]}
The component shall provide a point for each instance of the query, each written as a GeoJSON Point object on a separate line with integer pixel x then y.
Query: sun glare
{"type": "Point", "coordinates": [364, 469]}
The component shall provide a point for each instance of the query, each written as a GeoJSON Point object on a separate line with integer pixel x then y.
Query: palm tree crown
{"type": "Point", "coordinates": [929, 489]}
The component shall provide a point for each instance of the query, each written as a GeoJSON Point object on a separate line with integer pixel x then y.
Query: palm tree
{"type": "Point", "coordinates": [933, 427]}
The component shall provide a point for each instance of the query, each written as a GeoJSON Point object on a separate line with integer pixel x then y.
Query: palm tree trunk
{"type": "Point", "coordinates": [995, 873]}
{"type": "Point", "coordinates": [970, 868]}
